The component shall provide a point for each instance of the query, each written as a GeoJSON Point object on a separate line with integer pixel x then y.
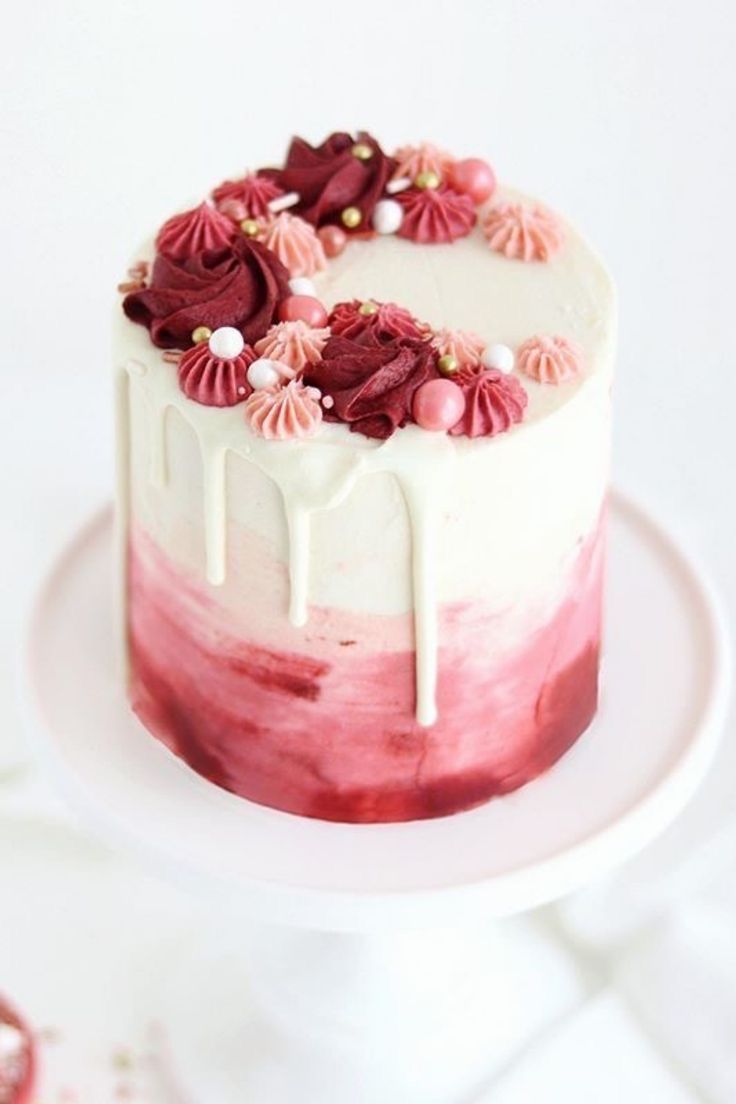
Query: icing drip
{"type": "Point", "coordinates": [215, 510]}
{"type": "Point", "coordinates": [421, 517]}
{"type": "Point", "coordinates": [159, 470]}
{"type": "Point", "coordinates": [297, 521]}
{"type": "Point", "coordinates": [323, 484]}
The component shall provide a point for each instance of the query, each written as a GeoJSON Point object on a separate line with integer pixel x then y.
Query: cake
{"type": "Point", "coordinates": [364, 420]}
{"type": "Point", "coordinates": [17, 1058]}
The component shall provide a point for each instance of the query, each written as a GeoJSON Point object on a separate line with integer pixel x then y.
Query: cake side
{"type": "Point", "coordinates": [369, 629]}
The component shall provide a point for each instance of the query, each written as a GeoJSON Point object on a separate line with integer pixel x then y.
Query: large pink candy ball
{"type": "Point", "coordinates": [302, 308]}
{"type": "Point", "coordinates": [438, 404]}
{"type": "Point", "coordinates": [473, 177]}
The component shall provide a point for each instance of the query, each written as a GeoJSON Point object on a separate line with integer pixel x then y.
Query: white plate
{"type": "Point", "coordinates": [665, 690]}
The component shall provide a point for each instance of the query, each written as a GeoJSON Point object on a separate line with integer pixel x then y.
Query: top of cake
{"type": "Point", "coordinates": [352, 291]}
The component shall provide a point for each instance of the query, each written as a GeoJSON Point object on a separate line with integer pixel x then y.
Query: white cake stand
{"type": "Point", "coordinates": [375, 975]}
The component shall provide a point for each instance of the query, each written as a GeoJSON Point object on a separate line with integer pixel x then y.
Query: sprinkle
{"type": "Point", "coordinates": [172, 356]}
{"type": "Point", "coordinates": [280, 203]}
{"type": "Point", "coordinates": [399, 185]}
{"type": "Point", "coordinates": [130, 285]}
{"type": "Point", "coordinates": [122, 1059]}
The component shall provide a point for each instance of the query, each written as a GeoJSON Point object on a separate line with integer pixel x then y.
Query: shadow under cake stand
{"type": "Point", "coordinates": [357, 963]}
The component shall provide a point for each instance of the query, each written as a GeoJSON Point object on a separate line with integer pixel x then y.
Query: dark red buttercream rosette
{"type": "Point", "coordinates": [333, 176]}
{"type": "Point", "coordinates": [371, 386]}
{"type": "Point", "coordinates": [239, 286]}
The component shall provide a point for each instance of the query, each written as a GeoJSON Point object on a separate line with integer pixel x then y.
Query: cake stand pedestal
{"type": "Point", "coordinates": [359, 962]}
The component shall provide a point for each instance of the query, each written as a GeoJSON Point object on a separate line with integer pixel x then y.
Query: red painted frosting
{"type": "Point", "coordinates": [433, 215]}
{"type": "Point", "coordinates": [387, 322]}
{"type": "Point", "coordinates": [17, 1070]}
{"type": "Point", "coordinates": [494, 402]}
{"type": "Point", "coordinates": [328, 178]}
{"type": "Point", "coordinates": [189, 233]}
{"type": "Point", "coordinates": [253, 192]}
{"type": "Point", "coordinates": [372, 385]}
{"type": "Point", "coordinates": [328, 731]}
{"type": "Point", "coordinates": [212, 381]}
{"type": "Point", "coordinates": [238, 286]}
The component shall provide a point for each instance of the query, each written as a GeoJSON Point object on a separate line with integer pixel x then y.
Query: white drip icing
{"type": "Point", "coordinates": [311, 476]}
{"type": "Point", "coordinates": [424, 588]}
{"type": "Point", "coordinates": [159, 471]}
{"type": "Point", "coordinates": [214, 458]}
{"type": "Point", "coordinates": [298, 522]}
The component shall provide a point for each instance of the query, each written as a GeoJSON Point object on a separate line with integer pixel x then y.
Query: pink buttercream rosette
{"type": "Point", "coordinates": [522, 233]}
{"type": "Point", "coordinates": [215, 381]}
{"type": "Point", "coordinates": [185, 235]}
{"type": "Point", "coordinates": [550, 359]}
{"type": "Point", "coordinates": [294, 344]}
{"type": "Point", "coordinates": [295, 243]}
{"type": "Point", "coordinates": [467, 348]}
{"type": "Point", "coordinates": [424, 157]}
{"type": "Point", "coordinates": [284, 413]}
{"type": "Point", "coordinates": [246, 198]}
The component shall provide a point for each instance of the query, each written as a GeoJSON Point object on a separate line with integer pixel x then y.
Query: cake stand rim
{"type": "Point", "coordinates": [501, 894]}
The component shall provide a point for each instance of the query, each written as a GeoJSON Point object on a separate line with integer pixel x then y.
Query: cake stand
{"type": "Point", "coordinates": [369, 963]}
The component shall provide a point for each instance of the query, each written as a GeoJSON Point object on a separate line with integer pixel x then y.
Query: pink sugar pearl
{"type": "Point", "coordinates": [438, 404]}
{"type": "Point", "coordinates": [302, 308]}
{"type": "Point", "coordinates": [333, 240]}
{"type": "Point", "coordinates": [474, 178]}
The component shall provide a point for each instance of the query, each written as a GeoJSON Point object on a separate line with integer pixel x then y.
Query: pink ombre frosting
{"type": "Point", "coordinates": [295, 344]}
{"type": "Point", "coordinates": [550, 359]}
{"type": "Point", "coordinates": [323, 725]}
{"type": "Point", "coordinates": [189, 233]}
{"type": "Point", "coordinates": [283, 413]}
{"type": "Point", "coordinates": [425, 157]}
{"type": "Point", "coordinates": [214, 381]}
{"type": "Point", "coordinates": [522, 233]}
{"type": "Point", "coordinates": [466, 348]}
{"type": "Point", "coordinates": [296, 244]}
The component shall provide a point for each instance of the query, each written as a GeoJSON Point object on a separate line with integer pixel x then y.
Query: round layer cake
{"type": "Point", "coordinates": [364, 418]}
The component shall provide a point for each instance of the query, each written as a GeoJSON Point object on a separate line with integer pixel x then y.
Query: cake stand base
{"type": "Point", "coordinates": [374, 981]}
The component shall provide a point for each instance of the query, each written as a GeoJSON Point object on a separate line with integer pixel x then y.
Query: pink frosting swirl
{"type": "Point", "coordinates": [433, 215]}
{"type": "Point", "coordinates": [467, 348]}
{"type": "Point", "coordinates": [246, 198]}
{"type": "Point", "coordinates": [214, 381]}
{"type": "Point", "coordinates": [493, 402]}
{"type": "Point", "coordinates": [282, 413]}
{"type": "Point", "coordinates": [185, 235]}
{"type": "Point", "coordinates": [522, 233]}
{"type": "Point", "coordinates": [295, 344]}
{"type": "Point", "coordinates": [550, 359]}
{"type": "Point", "coordinates": [295, 243]}
{"type": "Point", "coordinates": [424, 157]}
{"type": "Point", "coordinates": [387, 322]}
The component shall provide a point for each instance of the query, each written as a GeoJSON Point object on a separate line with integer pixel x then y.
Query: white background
{"type": "Point", "coordinates": [618, 112]}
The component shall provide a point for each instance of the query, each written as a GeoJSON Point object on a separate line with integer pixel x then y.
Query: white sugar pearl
{"type": "Point", "coordinates": [263, 373]}
{"type": "Point", "coordinates": [387, 216]}
{"type": "Point", "coordinates": [226, 343]}
{"type": "Point", "coordinates": [328, 402]}
{"type": "Point", "coordinates": [302, 285]}
{"type": "Point", "coordinates": [500, 357]}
